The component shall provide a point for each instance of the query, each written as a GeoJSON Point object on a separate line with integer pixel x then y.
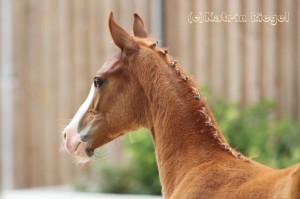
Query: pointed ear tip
{"type": "Point", "coordinates": [111, 20]}
{"type": "Point", "coordinates": [136, 16]}
{"type": "Point", "coordinates": [111, 16]}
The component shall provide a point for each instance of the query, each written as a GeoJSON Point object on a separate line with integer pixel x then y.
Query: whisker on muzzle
{"type": "Point", "coordinates": [82, 161]}
{"type": "Point", "coordinates": [62, 147]}
{"type": "Point", "coordinates": [99, 156]}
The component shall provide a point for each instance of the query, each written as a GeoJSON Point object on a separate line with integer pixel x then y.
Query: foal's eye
{"type": "Point", "coordinates": [98, 82]}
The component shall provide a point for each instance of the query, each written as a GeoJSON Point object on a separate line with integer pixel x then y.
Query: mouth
{"type": "Point", "coordinates": [89, 152]}
{"type": "Point", "coordinates": [80, 150]}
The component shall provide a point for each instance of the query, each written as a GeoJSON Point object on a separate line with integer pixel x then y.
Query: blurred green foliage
{"type": "Point", "coordinates": [253, 130]}
{"type": "Point", "coordinates": [140, 175]}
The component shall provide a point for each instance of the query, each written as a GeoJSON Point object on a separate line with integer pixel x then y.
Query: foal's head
{"type": "Point", "coordinates": [117, 102]}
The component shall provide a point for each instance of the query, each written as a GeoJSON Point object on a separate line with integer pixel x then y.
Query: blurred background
{"type": "Point", "coordinates": [50, 50]}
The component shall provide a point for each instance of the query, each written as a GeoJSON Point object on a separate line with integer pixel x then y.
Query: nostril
{"type": "Point", "coordinates": [64, 135]}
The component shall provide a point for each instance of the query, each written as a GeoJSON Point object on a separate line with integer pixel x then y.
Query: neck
{"type": "Point", "coordinates": [182, 141]}
{"type": "Point", "coordinates": [184, 131]}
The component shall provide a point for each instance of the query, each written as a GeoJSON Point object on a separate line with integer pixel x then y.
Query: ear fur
{"type": "Point", "coordinates": [138, 27]}
{"type": "Point", "coordinates": [121, 38]}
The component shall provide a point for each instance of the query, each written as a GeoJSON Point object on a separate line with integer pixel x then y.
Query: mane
{"type": "Point", "coordinates": [203, 114]}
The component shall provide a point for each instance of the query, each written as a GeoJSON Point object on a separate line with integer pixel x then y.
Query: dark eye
{"type": "Point", "coordinates": [98, 82]}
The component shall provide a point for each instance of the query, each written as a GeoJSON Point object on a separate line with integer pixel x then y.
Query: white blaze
{"type": "Point", "coordinates": [72, 141]}
{"type": "Point", "coordinates": [83, 108]}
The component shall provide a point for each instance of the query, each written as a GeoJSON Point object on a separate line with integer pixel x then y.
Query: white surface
{"type": "Point", "coordinates": [58, 193]}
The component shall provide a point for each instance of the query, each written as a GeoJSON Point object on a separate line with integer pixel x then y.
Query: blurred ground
{"type": "Point", "coordinates": [64, 192]}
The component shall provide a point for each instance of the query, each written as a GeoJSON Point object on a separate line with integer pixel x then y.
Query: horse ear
{"type": "Point", "coordinates": [138, 27]}
{"type": "Point", "coordinates": [121, 38]}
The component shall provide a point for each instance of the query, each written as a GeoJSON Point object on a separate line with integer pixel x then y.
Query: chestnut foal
{"type": "Point", "coordinates": [142, 86]}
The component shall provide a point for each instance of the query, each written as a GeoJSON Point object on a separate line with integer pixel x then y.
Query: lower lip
{"type": "Point", "coordinates": [89, 152]}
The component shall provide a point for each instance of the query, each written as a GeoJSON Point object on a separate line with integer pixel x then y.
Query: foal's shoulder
{"type": "Point", "coordinates": [295, 182]}
{"type": "Point", "coordinates": [288, 183]}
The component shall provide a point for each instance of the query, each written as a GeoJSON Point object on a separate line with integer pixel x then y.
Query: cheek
{"type": "Point", "coordinates": [121, 114]}
{"type": "Point", "coordinates": [116, 106]}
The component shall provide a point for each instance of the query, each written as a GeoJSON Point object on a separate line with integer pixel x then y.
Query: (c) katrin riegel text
{"type": "Point", "coordinates": [225, 17]}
